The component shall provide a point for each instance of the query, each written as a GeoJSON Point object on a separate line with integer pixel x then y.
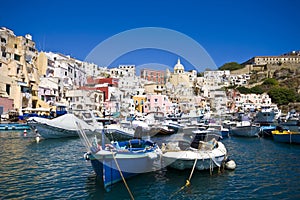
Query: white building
{"type": "Point", "coordinates": [94, 70]}
{"type": "Point", "coordinates": [85, 99]}
{"type": "Point", "coordinates": [255, 100]}
{"type": "Point", "coordinates": [48, 90]}
{"type": "Point", "coordinates": [69, 69]}
{"type": "Point", "coordinates": [123, 70]}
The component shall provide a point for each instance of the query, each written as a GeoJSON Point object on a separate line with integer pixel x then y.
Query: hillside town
{"type": "Point", "coordinates": [43, 82]}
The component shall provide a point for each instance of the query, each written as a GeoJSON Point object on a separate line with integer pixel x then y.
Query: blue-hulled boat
{"type": "Point", "coordinates": [118, 160]}
{"type": "Point", "coordinates": [266, 130]}
{"type": "Point", "coordinates": [14, 126]}
{"type": "Point", "coordinates": [126, 158]}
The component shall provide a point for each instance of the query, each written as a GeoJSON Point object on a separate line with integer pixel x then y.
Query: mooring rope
{"type": "Point", "coordinates": [122, 175]}
{"type": "Point", "coordinates": [188, 182]}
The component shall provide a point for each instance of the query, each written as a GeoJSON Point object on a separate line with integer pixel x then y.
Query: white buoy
{"type": "Point", "coordinates": [230, 165]}
{"type": "Point", "coordinates": [37, 138]}
{"type": "Point", "coordinates": [25, 132]}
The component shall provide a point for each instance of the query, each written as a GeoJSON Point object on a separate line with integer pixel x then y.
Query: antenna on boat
{"type": "Point", "coordinates": [83, 137]}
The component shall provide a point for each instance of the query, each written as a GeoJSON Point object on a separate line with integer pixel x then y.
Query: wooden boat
{"type": "Point", "coordinates": [286, 136]}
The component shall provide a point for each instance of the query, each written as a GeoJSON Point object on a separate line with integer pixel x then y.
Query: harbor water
{"type": "Point", "coordinates": [55, 169]}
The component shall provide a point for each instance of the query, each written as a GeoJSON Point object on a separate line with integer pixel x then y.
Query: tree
{"type": "Point", "coordinates": [231, 66]}
{"type": "Point", "coordinates": [282, 96]}
{"type": "Point", "coordinates": [257, 90]}
{"type": "Point", "coordinates": [243, 90]}
{"type": "Point", "coordinates": [270, 81]}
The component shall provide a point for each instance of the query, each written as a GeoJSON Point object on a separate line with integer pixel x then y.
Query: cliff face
{"type": "Point", "coordinates": [287, 75]}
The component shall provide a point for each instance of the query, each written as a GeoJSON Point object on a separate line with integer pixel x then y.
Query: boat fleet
{"type": "Point", "coordinates": [121, 149]}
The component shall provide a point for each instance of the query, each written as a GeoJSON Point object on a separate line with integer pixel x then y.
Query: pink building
{"type": "Point", "coordinates": [6, 104]}
{"type": "Point", "coordinates": [157, 76]}
{"type": "Point", "coordinates": [157, 103]}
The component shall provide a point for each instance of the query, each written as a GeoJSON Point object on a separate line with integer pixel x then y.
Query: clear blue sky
{"type": "Point", "coordinates": [228, 30]}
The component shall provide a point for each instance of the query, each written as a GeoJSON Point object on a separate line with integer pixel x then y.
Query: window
{"type": "Point", "coordinates": [7, 89]}
{"type": "Point", "coordinates": [16, 46]}
{"type": "Point", "coordinates": [17, 57]}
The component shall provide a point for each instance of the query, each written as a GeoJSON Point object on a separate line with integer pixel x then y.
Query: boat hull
{"type": "Point", "coordinates": [202, 164]}
{"type": "Point", "coordinates": [266, 131]}
{"type": "Point", "coordinates": [287, 137]}
{"type": "Point", "coordinates": [206, 159]}
{"type": "Point", "coordinates": [51, 132]}
{"type": "Point", "coordinates": [60, 127]}
{"type": "Point", "coordinates": [107, 169]}
{"type": "Point", "coordinates": [118, 135]}
{"type": "Point", "coordinates": [14, 126]}
{"type": "Point", "coordinates": [245, 131]}
{"type": "Point", "coordinates": [127, 159]}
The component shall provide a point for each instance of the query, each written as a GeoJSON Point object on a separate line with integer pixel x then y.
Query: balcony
{"type": "Point", "coordinates": [49, 93]}
{"type": "Point", "coordinates": [31, 78]}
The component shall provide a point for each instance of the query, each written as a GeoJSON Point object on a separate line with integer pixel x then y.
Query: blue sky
{"type": "Point", "coordinates": [228, 30]}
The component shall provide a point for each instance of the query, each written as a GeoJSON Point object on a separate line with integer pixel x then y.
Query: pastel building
{"type": "Point", "coordinates": [19, 76]}
{"type": "Point", "coordinates": [156, 76]}
{"type": "Point", "coordinates": [153, 88]}
{"type": "Point", "coordinates": [68, 74]}
{"type": "Point", "coordinates": [179, 76]}
{"type": "Point", "coordinates": [157, 103]}
{"type": "Point", "coordinates": [139, 102]}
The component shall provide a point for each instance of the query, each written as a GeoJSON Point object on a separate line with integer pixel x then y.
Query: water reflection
{"type": "Point", "coordinates": [55, 169]}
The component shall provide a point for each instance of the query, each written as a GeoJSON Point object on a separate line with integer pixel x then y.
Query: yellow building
{"type": "Point", "coordinates": [139, 101]}
{"type": "Point", "coordinates": [153, 88]}
{"type": "Point", "coordinates": [19, 77]}
{"type": "Point", "coordinates": [42, 63]}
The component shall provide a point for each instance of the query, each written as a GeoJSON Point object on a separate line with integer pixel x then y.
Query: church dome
{"type": "Point", "coordinates": [178, 67]}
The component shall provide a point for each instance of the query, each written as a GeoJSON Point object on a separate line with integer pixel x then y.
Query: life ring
{"type": "Point", "coordinates": [86, 156]}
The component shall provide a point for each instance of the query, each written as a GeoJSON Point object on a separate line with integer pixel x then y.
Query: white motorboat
{"type": "Point", "coordinates": [180, 153]}
{"type": "Point", "coordinates": [60, 127]}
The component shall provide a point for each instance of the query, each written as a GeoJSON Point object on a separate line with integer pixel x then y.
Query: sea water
{"type": "Point", "coordinates": [56, 169]}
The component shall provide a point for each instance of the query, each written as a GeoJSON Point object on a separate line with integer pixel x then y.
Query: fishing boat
{"type": "Point", "coordinates": [219, 129]}
{"type": "Point", "coordinates": [245, 128]}
{"type": "Point", "coordinates": [60, 127]}
{"type": "Point", "coordinates": [266, 119]}
{"type": "Point", "coordinates": [266, 130]}
{"type": "Point", "coordinates": [286, 136]}
{"type": "Point", "coordinates": [202, 153]}
{"type": "Point", "coordinates": [119, 160]}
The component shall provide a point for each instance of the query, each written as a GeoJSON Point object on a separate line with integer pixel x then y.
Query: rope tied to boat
{"type": "Point", "coordinates": [117, 164]}
{"type": "Point", "coordinates": [188, 181]}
